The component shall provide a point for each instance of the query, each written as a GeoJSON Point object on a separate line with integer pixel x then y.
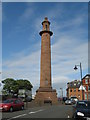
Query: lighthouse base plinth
{"type": "Point", "coordinates": [46, 95]}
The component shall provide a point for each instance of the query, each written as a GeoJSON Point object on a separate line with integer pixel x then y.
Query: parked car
{"type": "Point", "coordinates": [59, 99]}
{"type": "Point", "coordinates": [74, 98]}
{"type": "Point", "coordinates": [69, 102]}
{"type": "Point", "coordinates": [12, 104]}
{"type": "Point", "coordinates": [82, 110]}
{"type": "Point", "coordinates": [64, 99]}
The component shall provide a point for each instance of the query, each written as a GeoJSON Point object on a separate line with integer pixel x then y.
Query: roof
{"type": "Point", "coordinates": [88, 75]}
{"type": "Point", "coordinates": [74, 84]}
{"type": "Point", "coordinates": [12, 98]}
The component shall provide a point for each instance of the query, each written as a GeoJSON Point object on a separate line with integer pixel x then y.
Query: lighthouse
{"type": "Point", "coordinates": [45, 91]}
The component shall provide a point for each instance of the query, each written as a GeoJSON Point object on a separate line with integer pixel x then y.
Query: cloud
{"type": "Point", "coordinates": [23, 66]}
{"type": "Point", "coordinates": [28, 67]}
{"type": "Point", "coordinates": [24, 61]}
{"type": "Point", "coordinates": [60, 82]}
{"type": "Point", "coordinates": [67, 55]}
{"type": "Point", "coordinates": [27, 14]}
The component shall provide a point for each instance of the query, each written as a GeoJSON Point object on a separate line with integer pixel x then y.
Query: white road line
{"type": "Point", "coordinates": [17, 116]}
{"type": "Point", "coordinates": [35, 111]}
{"type": "Point", "coordinates": [24, 114]}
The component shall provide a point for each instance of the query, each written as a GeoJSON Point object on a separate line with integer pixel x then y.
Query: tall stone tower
{"type": "Point", "coordinates": [45, 91]}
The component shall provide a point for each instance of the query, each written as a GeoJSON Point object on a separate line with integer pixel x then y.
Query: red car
{"type": "Point", "coordinates": [12, 104]}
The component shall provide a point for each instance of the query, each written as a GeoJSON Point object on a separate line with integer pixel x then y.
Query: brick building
{"type": "Point", "coordinates": [73, 89]}
{"type": "Point", "coordinates": [86, 84]}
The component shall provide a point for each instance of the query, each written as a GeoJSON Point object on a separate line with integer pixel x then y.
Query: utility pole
{"type": "Point", "coordinates": [62, 94]}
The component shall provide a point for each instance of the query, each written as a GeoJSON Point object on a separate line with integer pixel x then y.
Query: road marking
{"type": "Point", "coordinates": [17, 116]}
{"type": "Point", "coordinates": [24, 114]}
{"type": "Point", "coordinates": [35, 111]}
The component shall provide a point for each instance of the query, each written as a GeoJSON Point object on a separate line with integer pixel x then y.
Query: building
{"type": "Point", "coordinates": [45, 91]}
{"type": "Point", "coordinates": [86, 84]}
{"type": "Point", "coordinates": [73, 89]}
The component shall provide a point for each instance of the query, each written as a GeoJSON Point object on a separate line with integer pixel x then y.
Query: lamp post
{"type": "Point", "coordinates": [81, 87]}
{"type": "Point", "coordinates": [62, 94]}
{"type": "Point", "coordinates": [75, 68]}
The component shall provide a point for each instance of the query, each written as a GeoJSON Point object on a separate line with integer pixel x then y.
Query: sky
{"type": "Point", "coordinates": [45, 0]}
{"type": "Point", "coordinates": [21, 42]}
{"type": "Point", "coordinates": [0, 46]}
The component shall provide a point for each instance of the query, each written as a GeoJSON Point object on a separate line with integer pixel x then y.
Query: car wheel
{"type": "Point", "coordinates": [11, 109]}
{"type": "Point", "coordinates": [22, 108]}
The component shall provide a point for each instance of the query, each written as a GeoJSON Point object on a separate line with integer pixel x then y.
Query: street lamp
{"type": "Point", "coordinates": [75, 68]}
{"type": "Point", "coordinates": [62, 94]}
{"type": "Point", "coordinates": [81, 87]}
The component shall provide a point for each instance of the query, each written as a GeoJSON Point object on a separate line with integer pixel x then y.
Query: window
{"type": "Point", "coordinates": [74, 84]}
{"type": "Point", "coordinates": [16, 101]}
{"type": "Point", "coordinates": [85, 96]}
{"type": "Point", "coordinates": [79, 96]}
{"type": "Point", "coordinates": [74, 90]}
{"type": "Point", "coordinates": [8, 101]}
{"type": "Point", "coordinates": [78, 90]}
{"type": "Point", "coordinates": [89, 81]}
{"type": "Point", "coordinates": [70, 90]}
{"type": "Point", "coordinates": [46, 26]}
{"type": "Point", "coordinates": [85, 87]}
{"type": "Point", "coordinates": [81, 104]}
{"type": "Point", "coordinates": [78, 83]}
{"type": "Point", "coordinates": [86, 81]}
{"type": "Point", "coordinates": [87, 77]}
{"type": "Point", "coordinates": [88, 87]}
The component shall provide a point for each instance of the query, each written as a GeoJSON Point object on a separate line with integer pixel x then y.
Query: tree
{"type": "Point", "coordinates": [24, 84]}
{"type": "Point", "coordinates": [12, 86]}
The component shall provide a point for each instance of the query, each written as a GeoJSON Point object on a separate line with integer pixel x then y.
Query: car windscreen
{"type": "Point", "coordinates": [81, 105]}
{"type": "Point", "coordinates": [68, 99]}
{"type": "Point", "coordinates": [8, 101]}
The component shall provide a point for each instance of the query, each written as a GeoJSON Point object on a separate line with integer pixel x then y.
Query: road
{"type": "Point", "coordinates": [54, 111]}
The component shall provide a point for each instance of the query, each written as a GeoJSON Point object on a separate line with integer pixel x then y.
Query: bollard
{"type": "Point", "coordinates": [26, 104]}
